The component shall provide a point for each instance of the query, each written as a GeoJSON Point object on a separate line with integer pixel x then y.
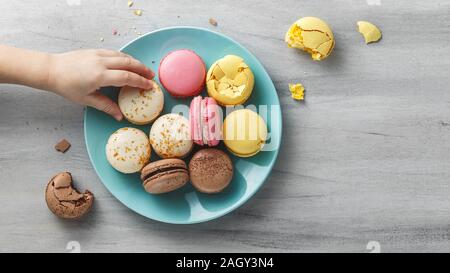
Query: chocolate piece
{"type": "Point", "coordinates": [62, 146]}
{"type": "Point", "coordinates": [64, 200]}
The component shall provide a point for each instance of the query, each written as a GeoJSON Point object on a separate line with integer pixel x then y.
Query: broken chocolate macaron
{"type": "Point", "coordinates": [164, 175]}
{"type": "Point", "coordinates": [64, 200]}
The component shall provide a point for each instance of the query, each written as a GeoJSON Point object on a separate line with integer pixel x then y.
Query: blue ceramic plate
{"type": "Point", "coordinates": [186, 206]}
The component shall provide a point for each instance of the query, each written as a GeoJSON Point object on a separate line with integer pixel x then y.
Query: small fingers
{"type": "Point", "coordinates": [109, 53]}
{"type": "Point", "coordinates": [129, 64]}
{"type": "Point", "coordinates": [121, 78]}
{"type": "Point", "coordinates": [104, 104]}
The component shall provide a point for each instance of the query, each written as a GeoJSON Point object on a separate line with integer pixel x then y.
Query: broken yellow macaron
{"type": "Point", "coordinates": [230, 80]}
{"type": "Point", "coordinates": [297, 91]}
{"type": "Point", "coordinates": [312, 35]}
{"type": "Point", "coordinates": [370, 31]}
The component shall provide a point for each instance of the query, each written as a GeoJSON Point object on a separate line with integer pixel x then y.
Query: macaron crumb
{"type": "Point", "coordinates": [130, 3]}
{"type": "Point", "coordinates": [213, 22]}
{"type": "Point", "coordinates": [370, 32]}
{"type": "Point", "coordinates": [297, 91]}
{"type": "Point", "coordinates": [138, 12]}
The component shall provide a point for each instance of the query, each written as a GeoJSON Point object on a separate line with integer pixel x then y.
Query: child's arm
{"type": "Point", "coordinates": [76, 75]}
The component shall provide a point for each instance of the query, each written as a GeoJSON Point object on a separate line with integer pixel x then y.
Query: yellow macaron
{"type": "Point", "coordinates": [312, 35]}
{"type": "Point", "coordinates": [244, 132]}
{"type": "Point", "coordinates": [230, 81]}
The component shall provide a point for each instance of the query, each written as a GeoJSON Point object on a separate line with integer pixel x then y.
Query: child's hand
{"type": "Point", "coordinates": [78, 76]}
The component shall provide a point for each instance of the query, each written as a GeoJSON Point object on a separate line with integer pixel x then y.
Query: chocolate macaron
{"type": "Point", "coordinates": [64, 200]}
{"type": "Point", "coordinates": [164, 175]}
{"type": "Point", "coordinates": [211, 170]}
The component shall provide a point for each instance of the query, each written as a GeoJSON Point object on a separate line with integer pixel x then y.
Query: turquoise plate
{"type": "Point", "coordinates": [186, 206]}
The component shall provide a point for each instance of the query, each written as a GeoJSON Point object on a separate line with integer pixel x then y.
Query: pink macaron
{"type": "Point", "coordinates": [182, 73]}
{"type": "Point", "coordinates": [205, 118]}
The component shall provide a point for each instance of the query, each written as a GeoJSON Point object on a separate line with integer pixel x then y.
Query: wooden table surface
{"type": "Point", "coordinates": [364, 158]}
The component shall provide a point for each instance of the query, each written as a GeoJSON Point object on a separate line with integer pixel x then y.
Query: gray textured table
{"type": "Point", "coordinates": [365, 158]}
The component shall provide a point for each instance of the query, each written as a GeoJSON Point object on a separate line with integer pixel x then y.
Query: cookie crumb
{"type": "Point", "coordinates": [213, 22]}
{"type": "Point", "coordinates": [138, 12]}
{"type": "Point", "coordinates": [62, 146]}
{"type": "Point", "coordinates": [130, 3]}
{"type": "Point", "coordinates": [297, 91]}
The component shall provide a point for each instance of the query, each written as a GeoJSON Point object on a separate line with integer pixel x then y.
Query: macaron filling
{"type": "Point", "coordinates": [163, 170]}
{"type": "Point", "coordinates": [204, 121]}
{"type": "Point", "coordinates": [164, 175]}
{"type": "Point", "coordinates": [214, 123]}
